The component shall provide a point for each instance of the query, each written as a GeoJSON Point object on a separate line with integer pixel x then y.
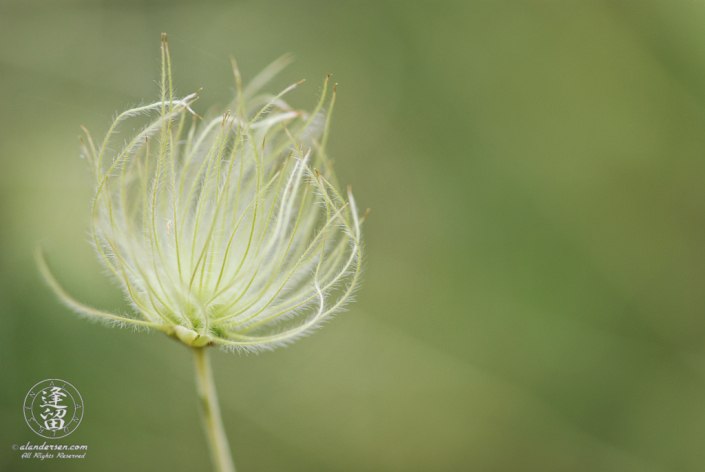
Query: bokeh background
{"type": "Point", "coordinates": [535, 268]}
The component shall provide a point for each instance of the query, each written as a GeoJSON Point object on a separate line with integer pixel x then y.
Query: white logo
{"type": "Point", "coordinates": [53, 408]}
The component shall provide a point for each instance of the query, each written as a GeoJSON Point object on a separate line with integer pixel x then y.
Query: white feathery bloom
{"type": "Point", "coordinates": [227, 231]}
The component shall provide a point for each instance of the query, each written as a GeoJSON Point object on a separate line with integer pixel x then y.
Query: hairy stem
{"type": "Point", "coordinates": [210, 412]}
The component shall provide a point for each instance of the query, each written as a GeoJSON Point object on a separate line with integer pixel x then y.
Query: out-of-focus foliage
{"type": "Point", "coordinates": [533, 286]}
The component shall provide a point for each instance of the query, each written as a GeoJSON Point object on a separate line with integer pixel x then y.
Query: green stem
{"type": "Point", "coordinates": [210, 412]}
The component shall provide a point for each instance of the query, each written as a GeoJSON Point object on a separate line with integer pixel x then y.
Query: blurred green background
{"type": "Point", "coordinates": [535, 268]}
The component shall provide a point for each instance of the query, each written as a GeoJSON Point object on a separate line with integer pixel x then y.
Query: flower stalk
{"type": "Point", "coordinates": [210, 412]}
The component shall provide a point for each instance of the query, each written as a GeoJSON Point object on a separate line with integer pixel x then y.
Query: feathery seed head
{"type": "Point", "coordinates": [226, 231]}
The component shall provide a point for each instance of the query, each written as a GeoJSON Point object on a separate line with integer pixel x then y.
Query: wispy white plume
{"type": "Point", "coordinates": [227, 231]}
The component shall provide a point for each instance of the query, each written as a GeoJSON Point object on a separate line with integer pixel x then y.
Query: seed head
{"type": "Point", "coordinates": [229, 230]}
